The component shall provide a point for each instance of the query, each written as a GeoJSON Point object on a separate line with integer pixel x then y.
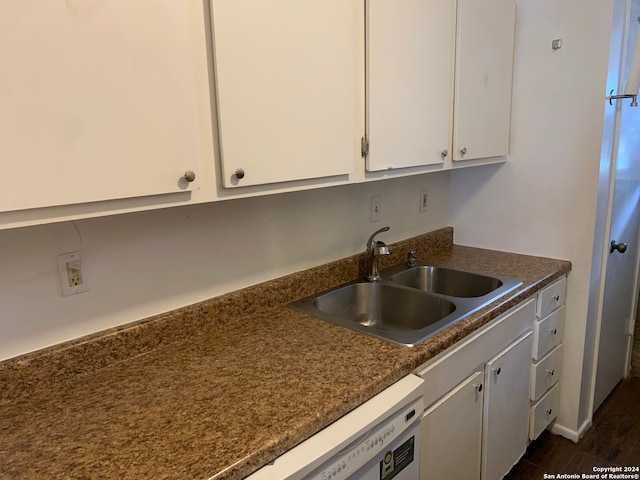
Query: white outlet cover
{"type": "Point", "coordinates": [76, 259]}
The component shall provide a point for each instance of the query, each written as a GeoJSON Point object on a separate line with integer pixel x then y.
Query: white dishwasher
{"type": "Point", "coordinates": [379, 440]}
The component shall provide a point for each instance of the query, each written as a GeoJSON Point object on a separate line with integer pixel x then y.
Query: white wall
{"type": "Point", "coordinates": [543, 200]}
{"type": "Point", "coordinates": [145, 263]}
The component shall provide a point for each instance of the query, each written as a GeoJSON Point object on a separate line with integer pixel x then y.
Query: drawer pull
{"type": "Point", "coordinates": [548, 411]}
{"type": "Point", "coordinates": [554, 331]}
{"type": "Point", "coordinates": [551, 372]}
{"type": "Point", "coordinates": [557, 298]}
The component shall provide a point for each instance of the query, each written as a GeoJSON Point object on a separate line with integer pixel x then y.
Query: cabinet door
{"type": "Point", "coordinates": [410, 51]}
{"type": "Point", "coordinates": [288, 75]}
{"type": "Point", "coordinates": [506, 417]}
{"type": "Point", "coordinates": [98, 99]}
{"type": "Point", "coordinates": [451, 434]}
{"type": "Point", "coordinates": [484, 71]}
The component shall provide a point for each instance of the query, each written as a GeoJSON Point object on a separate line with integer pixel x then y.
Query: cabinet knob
{"type": "Point", "coordinates": [496, 370]}
{"type": "Point", "coordinates": [463, 151]}
{"type": "Point", "coordinates": [551, 372]}
{"type": "Point", "coordinates": [549, 411]}
{"type": "Point", "coordinates": [478, 387]}
{"type": "Point", "coordinates": [554, 331]}
{"type": "Point", "coordinates": [444, 153]}
{"type": "Point", "coordinates": [239, 173]}
{"type": "Point", "coordinates": [556, 298]}
{"type": "Point", "coordinates": [189, 176]}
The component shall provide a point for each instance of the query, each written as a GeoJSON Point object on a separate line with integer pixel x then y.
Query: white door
{"type": "Point", "coordinates": [288, 78]}
{"type": "Point", "coordinates": [484, 73]}
{"type": "Point", "coordinates": [620, 290]}
{"type": "Point", "coordinates": [506, 419]}
{"type": "Point", "coordinates": [98, 100]}
{"type": "Point", "coordinates": [410, 52]}
{"type": "Point", "coordinates": [451, 433]}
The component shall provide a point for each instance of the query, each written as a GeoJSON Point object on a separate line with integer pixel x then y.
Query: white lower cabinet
{"type": "Point", "coordinates": [506, 413]}
{"type": "Point", "coordinates": [545, 373]}
{"type": "Point", "coordinates": [548, 333]}
{"type": "Point", "coordinates": [546, 370]}
{"type": "Point", "coordinates": [489, 395]}
{"type": "Point", "coordinates": [454, 420]}
{"type": "Point", "coordinates": [476, 422]}
{"type": "Point", "coordinates": [544, 411]}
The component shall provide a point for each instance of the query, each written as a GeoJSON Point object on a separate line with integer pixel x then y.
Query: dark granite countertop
{"type": "Point", "coordinates": [218, 389]}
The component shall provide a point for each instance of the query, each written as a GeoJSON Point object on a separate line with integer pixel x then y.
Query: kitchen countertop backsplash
{"type": "Point", "coordinates": [219, 388]}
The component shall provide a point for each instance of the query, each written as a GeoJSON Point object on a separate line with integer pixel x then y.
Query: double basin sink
{"type": "Point", "coordinates": [410, 304]}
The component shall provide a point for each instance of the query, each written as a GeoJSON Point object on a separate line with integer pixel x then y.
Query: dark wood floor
{"type": "Point", "coordinates": [613, 440]}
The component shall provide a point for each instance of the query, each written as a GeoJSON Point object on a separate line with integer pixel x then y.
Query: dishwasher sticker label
{"type": "Point", "coordinates": [395, 461]}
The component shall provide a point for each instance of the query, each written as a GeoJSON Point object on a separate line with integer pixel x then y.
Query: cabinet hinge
{"type": "Point", "coordinates": [364, 146]}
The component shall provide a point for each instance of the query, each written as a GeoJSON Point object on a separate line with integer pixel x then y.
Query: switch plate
{"type": "Point", "coordinates": [374, 214]}
{"type": "Point", "coordinates": [72, 280]}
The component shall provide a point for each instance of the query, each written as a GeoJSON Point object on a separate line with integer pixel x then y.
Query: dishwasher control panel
{"type": "Point", "coordinates": [377, 444]}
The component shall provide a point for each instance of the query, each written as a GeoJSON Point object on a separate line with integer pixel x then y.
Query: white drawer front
{"type": "Point", "coordinates": [551, 297]}
{"type": "Point", "coordinates": [548, 333]}
{"type": "Point", "coordinates": [546, 372]}
{"type": "Point", "coordinates": [455, 364]}
{"type": "Point", "coordinates": [544, 412]}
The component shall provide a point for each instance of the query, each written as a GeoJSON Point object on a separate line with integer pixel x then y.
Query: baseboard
{"type": "Point", "coordinates": [586, 425]}
{"type": "Point", "coordinates": [569, 433]}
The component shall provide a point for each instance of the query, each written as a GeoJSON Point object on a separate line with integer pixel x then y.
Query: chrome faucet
{"type": "Point", "coordinates": [374, 251]}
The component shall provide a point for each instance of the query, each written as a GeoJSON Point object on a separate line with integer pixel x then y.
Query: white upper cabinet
{"type": "Point", "coordinates": [410, 58]}
{"type": "Point", "coordinates": [97, 100]}
{"type": "Point", "coordinates": [107, 105]}
{"type": "Point", "coordinates": [439, 75]}
{"type": "Point", "coordinates": [484, 71]}
{"type": "Point", "coordinates": [288, 75]}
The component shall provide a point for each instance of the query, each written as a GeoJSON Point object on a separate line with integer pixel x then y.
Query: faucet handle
{"type": "Point", "coordinates": [380, 249]}
{"type": "Point", "coordinates": [370, 241]}
{"type": "Point", "coordinates": [412, 258]}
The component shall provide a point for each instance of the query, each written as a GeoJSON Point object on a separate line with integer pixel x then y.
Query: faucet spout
{"type": "Point", "coordinates": [370, 241]}
{"type": "Point", "coordinates": [374, 251]}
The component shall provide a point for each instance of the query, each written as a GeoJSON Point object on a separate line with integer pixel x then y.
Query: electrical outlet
{"type": "Point", "coordinates": [423, 201]}
{"type": "Point", "coordinates": [70, 271]}
{"type": "Point", "coordinates": [374, 214]}
{"type": "Point", "coordinates": [74, 273]}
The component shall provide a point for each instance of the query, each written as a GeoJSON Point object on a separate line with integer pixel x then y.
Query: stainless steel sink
{"type": "Point", "coordinates": [392, 312]}
{"type": "Point", "coordinates": [409, 304]}
{"type": "Point", "coordinates": [446, 281]}
{"type": "Point", "coordinates": [383, 306]}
